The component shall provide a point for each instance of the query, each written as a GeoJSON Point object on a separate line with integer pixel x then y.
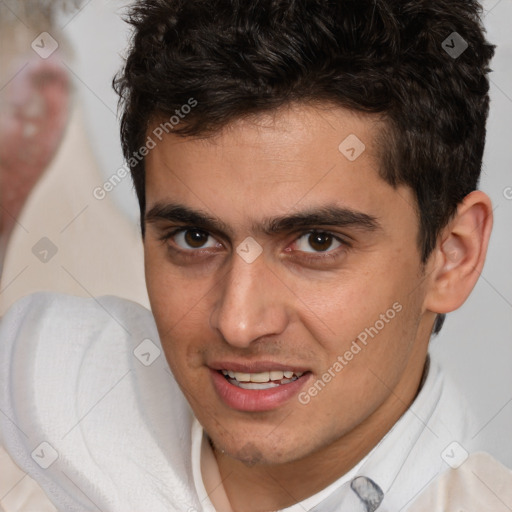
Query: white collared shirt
{"type": "Point", "coordinates": [413, 454]}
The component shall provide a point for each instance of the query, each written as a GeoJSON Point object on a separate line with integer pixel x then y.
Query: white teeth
{"type": "Point", "coordinates": [260, 377]}
{"type": "Point", "coordinates": [276, 375]}
{"type": "Point", "coordinates": [263, 377]}
{"type": "Point", "coordinates": [242, 377]}
{"type": "Point", "coordinates": [254, 385]}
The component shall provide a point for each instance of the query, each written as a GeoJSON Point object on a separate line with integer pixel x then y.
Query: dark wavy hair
{"type": "Point", "coordinates": [387, 57]}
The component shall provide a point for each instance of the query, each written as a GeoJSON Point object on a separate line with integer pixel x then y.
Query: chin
{"type": "Point", "coordinates": [252, 449]}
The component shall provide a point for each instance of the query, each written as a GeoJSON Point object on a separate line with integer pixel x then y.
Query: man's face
{"type": "Point", "coordinates": [339, 262]}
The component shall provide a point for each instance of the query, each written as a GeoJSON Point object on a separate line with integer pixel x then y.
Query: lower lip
{"type": "Point", "coordinates": [255, 400]}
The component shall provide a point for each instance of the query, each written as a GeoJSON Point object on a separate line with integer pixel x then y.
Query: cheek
{"type": "Point", "coordinates": [338, 309]}
{"type": "Point", "coordinates": [365, 361]}
{"type": "Point", "coordinates": [180, 309]}
{"type": "Point", "coordinates": [369, 318]}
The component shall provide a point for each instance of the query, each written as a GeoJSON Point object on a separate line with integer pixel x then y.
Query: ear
{"type": "Point", "coordinates": [34, 113]}
{"type": "Point", "coordinates": [460, 254]}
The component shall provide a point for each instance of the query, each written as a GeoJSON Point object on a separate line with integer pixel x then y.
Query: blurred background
{"type": "Point", "coordinates": [77, 235]}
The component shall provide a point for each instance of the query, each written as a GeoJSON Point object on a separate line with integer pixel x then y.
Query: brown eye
{"type": "Point", "coordinates": [317, 241]}
{"type": "Point", "coordinates": [196, 238]}
{"type": "Point", "coordinates": [320, 241]}
{"type": "Point", "coordinates": [190, 239]}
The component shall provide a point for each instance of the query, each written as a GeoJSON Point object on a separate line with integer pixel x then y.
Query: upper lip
{"type": "Point", "coordinates": [255, 366]}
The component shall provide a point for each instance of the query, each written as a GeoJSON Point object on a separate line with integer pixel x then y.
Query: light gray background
{"type": "Point", "coordinates": [475, 345]}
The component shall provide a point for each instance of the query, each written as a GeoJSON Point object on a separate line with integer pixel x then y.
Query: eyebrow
{"type": "Point", "coordinates": [323, 216]}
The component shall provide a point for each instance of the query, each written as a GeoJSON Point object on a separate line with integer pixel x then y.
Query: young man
{"type": "Point", "coordinates": [307, 176]}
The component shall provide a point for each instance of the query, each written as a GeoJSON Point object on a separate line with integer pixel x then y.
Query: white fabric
{"type": "Point", "coordinates": [125, 436]}
{"type": "Point", "coordinates": [479, 484]}
{"type": "Point", "coordinates": [68, 377]}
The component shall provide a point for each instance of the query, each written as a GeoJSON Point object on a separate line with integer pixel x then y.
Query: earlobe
{"type": "Point", "coordinates": [460, 254]}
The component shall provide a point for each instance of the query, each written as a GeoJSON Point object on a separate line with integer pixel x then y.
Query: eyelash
{"type": "Point", "coordinates": [306, 257]}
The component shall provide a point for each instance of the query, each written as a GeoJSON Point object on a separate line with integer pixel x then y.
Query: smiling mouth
{"type": "Point", "coordinates": [261, 380]}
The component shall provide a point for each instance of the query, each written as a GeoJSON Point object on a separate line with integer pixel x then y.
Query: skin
{"type": "Point", "coordinates": [293, 305]}
{"type": "Point", "coordinates": [34, 110]}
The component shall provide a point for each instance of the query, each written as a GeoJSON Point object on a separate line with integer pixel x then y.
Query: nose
{"type": "Point", "coordinates": [251, 303]}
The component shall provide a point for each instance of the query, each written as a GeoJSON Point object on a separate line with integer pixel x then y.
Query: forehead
{"type": "Point", "coordinates": [271, 164]}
